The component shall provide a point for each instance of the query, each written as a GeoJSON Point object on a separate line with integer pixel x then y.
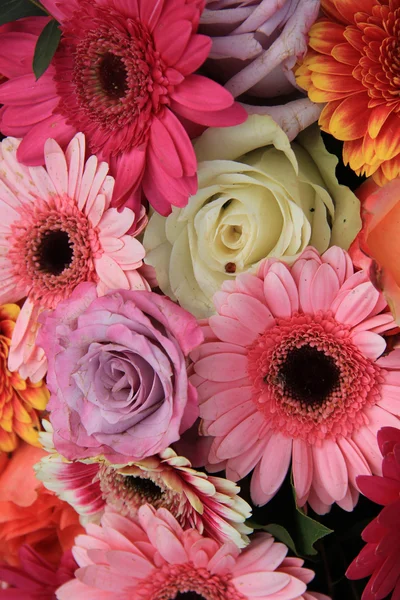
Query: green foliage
{"type": "Point", "coordinates": [12, 10]}
{"type": "Point", "coordinates": [45, 48]}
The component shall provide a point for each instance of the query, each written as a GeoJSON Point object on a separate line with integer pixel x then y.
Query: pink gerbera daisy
{"type": "Point", "coordinates": [57, 229]}
{"type": "Point", "coordinates": [209, 504]}
{"type": "Point", "coordinates": [154, 559]}
{"type": "Point", "coordinates": [380, 557]}
{"type": "Point", "coordinates": [123, 75]}
{"type": "Point", "coordinates": [292, 371]}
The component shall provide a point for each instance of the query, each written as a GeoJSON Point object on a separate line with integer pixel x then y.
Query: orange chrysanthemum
{"type": "Point", "coordinates": [31, 514]}
{"type": "Point", "coordinates": [353, 64]}
{"type": "Point", "coordinates": [19, 398]}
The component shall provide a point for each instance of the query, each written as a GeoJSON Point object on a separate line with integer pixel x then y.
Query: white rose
{"type": "Point", "coordinates": [259, 196]}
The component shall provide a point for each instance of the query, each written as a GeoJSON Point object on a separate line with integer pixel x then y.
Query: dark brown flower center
{"type": "Point", "coordinates": [309, 375]}
{"type": "Point", "coordinates": [188, 596]}
{"type": "Point", "coordinates": [145, 487]}
{"type": "Point", "coordinates": [55, 252]}
{"type": "Point", "coordinates": [113, 76]}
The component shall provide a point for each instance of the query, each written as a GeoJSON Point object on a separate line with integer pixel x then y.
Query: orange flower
{"type": "Point", "coordinates": [19, 398]}
{"type": "Point", "coordinates": [353, 65]}
{"type": "Point", "coordinates": [31, 514]}
{"type": "Point", "coordinates": [377, 246]}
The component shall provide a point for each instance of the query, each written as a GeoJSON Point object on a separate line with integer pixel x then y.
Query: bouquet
{"type": "Point", "coordinates": [199, 299]}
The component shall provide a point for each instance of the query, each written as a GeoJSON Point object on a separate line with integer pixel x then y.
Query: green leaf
{"type": "Point", "coordinates": [282, 535]}
{"type": "Point", "coordinates": [45, 48]}
{"type": "Point", "coordinates": [308, 532]}
{"type": "Point", "coordinates": [11, 10]}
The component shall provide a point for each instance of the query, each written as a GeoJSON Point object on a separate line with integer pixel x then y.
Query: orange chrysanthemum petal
{"type": "Point", "coordinates": [348, 121]}
{"type": "Point", "coordinates": [19, 398]}
{"type": "Point", "coordinates": [346, 54]}
{"type": "Point", "coordinates": [353, 57]}
{"type": "Point", "coordinates": [345, 9]}
{"type": "Point", "coordinates": [324, 35]}
{"type": "Point", "coordinates": [378, 117]}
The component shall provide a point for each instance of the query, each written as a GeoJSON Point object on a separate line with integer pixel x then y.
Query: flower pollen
{"type": "Point", "coordinates": [52, 247]}
{"type": "Point", "coordinates": [185, 582]}
{"type": "Point", "coordinates": [310, 380]}
{"type": "Point", "coordinates": [128, 492]}
{"type": "Point", "coordinates": [111, 79]}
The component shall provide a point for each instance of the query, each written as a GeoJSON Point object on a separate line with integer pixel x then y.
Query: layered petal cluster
{"type": "Point", "coordinates": [19, 399]}
{"type": "Point", "coordinates": [117, 373]}
{"type": "Point", "coordinates": [352, 65]}
{"type": "Point", "coordinates": [375, 247]}
{"type": "Point", "coordinates": [206, 503]}
{"type": "Point", "coordinates": [255, 44]}
{"type": "Point", "coordinates": [154, 558]}
{"type": "Point", "coordinates": [36, 578]}
{"type": "Point", "coordinates": [30, 514]}
{"type": "Point", "coordinates": [123, 74]}
{"type": "Point", "coordinates": [259, 196]}
{"type": "Point", "coordinates": [292, 372]}
{"type": "Point", "coordinates": [57, 230]}
{"type": "Point", "coordinates": [380, 557]}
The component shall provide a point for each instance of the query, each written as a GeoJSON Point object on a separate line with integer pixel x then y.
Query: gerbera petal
{"type": "Point", "coordinates": [111, 273]}
{"type": "Point", "coordinates": [30, 152]}
{"type": "Point", "coordinates": [371, 344]}
{"type": "Point", "coordinates": [302, 468]}
{"type": "Point", "coordinates": [357, 304]}
{"type": "Point", "coordinates": [330, 470]}
{"type": "Point", "coordinates": [324, 287]}
{"type": "Point", "coordinates": [271, 474]}
{"type": "Point", "coordinates": [56, 166]}
{"type": "Point", "coordinates": [195, 88]}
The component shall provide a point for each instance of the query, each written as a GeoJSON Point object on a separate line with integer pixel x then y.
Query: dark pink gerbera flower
{"type": "Point", "coordinates": [35, 578]}
{"type": "Point", "coordinates": [380, 557]}
{"type": "Point", "coordinates": [123, 75]}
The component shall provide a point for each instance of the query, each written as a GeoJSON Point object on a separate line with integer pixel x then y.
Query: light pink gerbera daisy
{"type": "Point", "coordinates": [57, 229]}
{"type": "Point", "coordinates": [154, 559]}
{"type": "Point", "coordinates": [197, 500]}
{"type": "Point", "coordinates": [123, 75]}
{"type": "Point", "coordinates": [292, 372]}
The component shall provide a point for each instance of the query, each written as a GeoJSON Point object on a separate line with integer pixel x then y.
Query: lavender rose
{"type": "Point", "coordinates": [117, 373]}
{"type": "Point", "coordinates": [255, 45]}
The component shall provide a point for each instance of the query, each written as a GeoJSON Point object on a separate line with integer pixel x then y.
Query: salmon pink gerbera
{"type": "Point", "coordinates": [58, 230]}
{"type": "Point", "coordinates": [123, 74]}
{"type": "Point", "coordinates": [380, 557]}
{"type": "Point", "coordinates": [154, 559]}
{"type": "Point", "coordinates": [292, 369]}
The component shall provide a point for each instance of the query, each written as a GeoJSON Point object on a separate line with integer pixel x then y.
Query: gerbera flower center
{"type": "Point", "coordinates": [51, 249]}
{"type": "Point", "coordinates": [188, 596]}
{"type": "Point", "coordinates": [310, 380]}
{"type": "Point", "coordinates": [309, 375]}
{"type": "Point", "coordinates": [55, 252]}
{"type": "Point", "coordinates": [127, 493]}
{"type": "Point", "coordinates": [185, 582]}
{"type": "Point", "coordinates": [146, 487]}
{"type": "Point", "coordinates": [110, 77]}
{"type": "Point", "coordinates": [113, 76]}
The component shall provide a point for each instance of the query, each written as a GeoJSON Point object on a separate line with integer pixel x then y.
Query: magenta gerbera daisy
{"type": "Point", "coordinates": [380, 556]}
{"type": "Point", "coordinates": [57, 230]}
{"type": "Point", "coordinates": [292, 372]}
{"type": "Point", "coordinates": [197, 500]}
{"type": "Point", "coordinates": [154, 559]}
{"type": "Point", "coordinates": [123, 74]}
